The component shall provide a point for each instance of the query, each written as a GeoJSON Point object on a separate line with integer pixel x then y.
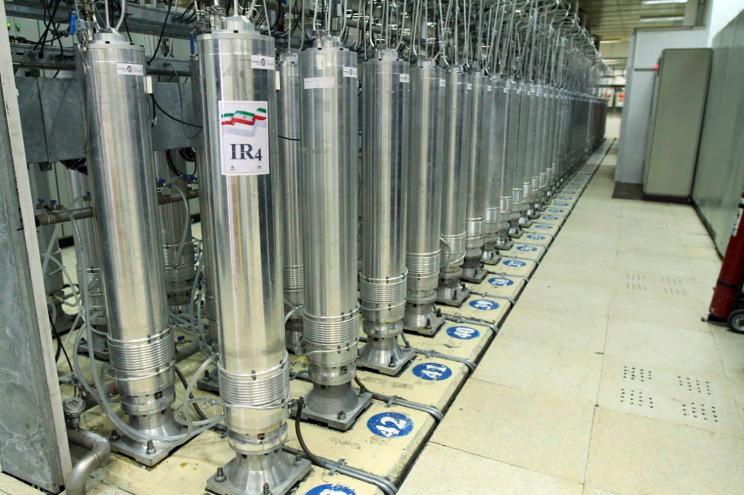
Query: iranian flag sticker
{"type": "Point", "coordinates": [244, 137]}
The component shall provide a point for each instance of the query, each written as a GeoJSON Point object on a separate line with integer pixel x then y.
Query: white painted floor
{"type": "Point", "coordinates": [604, 380]}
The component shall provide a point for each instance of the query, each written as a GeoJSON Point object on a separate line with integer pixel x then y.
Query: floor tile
{"type": "Point", "coordinates": [631, 454]}
{"type": "Point", "coordinates": [441, 470]}
{"type": "Point", "coordinates": [536, 431]}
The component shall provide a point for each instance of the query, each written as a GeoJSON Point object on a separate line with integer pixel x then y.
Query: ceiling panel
{"type": "Point", "coordinates": [616, 19]}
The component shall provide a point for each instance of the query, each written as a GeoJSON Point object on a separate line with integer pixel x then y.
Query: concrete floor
{"type": "Point", "coordinates": [603, 380]}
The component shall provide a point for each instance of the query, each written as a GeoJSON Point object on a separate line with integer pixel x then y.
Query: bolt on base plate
{"type": "Point", "coordinates": [388, 360]}
{"type": "Point", "coordinates": [276, 473]}
{"type": "Point", "coordinates": [473, 274]}
{"type": "Point", "coordinates": [210, 381]}
{"type": "Point", "coordinates": [453, 296]}
{"type": "Point", "coordinates": [337, 407]}
{"type": "Point", "coordinates": [148, 453]}
{"type": "Point", "coordinates": [491, 256]}
{"type": "Point", "coordinates": [434, 321]}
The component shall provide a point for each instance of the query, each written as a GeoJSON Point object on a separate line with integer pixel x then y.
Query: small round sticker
{"type": "Point", "coordinates": [463, 333]}
{"type": "Point", "coordinates": [514, 263]}
{"type": "Point", "coordinates": [484, 304]}
{"type": "Point", "coordinates": [536, 237]}
{"type": "Point", "coordinates": [390, 425]}
{"type": "Point", "coordinates": [526, 248]}
{"type": "Point", "coordinates": [500, 282]}
{"type": "Point", "coordinates": [432, 371]}
{"type": "Point", "coordinates": [329, 489]}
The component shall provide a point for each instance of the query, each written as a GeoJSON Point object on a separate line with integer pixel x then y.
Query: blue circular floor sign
{"type": "Point", "coordinates": [551, 217]}
{"type": "Point", "coordinates": [484, 304]}
{"type": "Point", "coordinates": [536, 237]}
{"type": "Point", "coordinates": [463, 333]}
{"type": "Point", "coordinates": [514, 263]}
{"type": "Point", "coordinates": [555, 210]}
{"type": "Point", "coordinates": [432, 371]}
{"type": "Point", "coordinates": [390, 425]}
{"type": "Point", "coordinates": [543, 226]}
{"type": "Point", "coordinates": [526, 248]}
{"type": "Point", "coordinates": [500, 282]}
{"type": "Point", "coordinates": [329, 489]}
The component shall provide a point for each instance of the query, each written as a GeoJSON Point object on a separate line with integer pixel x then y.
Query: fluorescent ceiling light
{"type": "Point", "coordinates": [662, 2]}
{"type": "Point", "coordinates": [670, 18]}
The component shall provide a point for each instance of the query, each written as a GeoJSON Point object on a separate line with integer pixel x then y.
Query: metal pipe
{"type": "Point", "coordinates": [290, 156]}
{"type": "Point", "coordinates": [329, 190]}
{"type": "Point", "coordinates": [99, 450]}
{"type": "Point", "coordinates": [140, 341]}
{"type": "Point", "coordinates": [385, 99]}
{"type": "Point", "coordinates": [454, 189]}
{"type": "Point", "coordinates": [425, 172]}
{"type": "Point", "coordinates": [240, 144]}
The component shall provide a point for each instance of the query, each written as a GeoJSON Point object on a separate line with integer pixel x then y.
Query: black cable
{"type": "Point", "coordinates": [58, 337]}
{"type": "Point", "coordinates": [162, 32]}
{"type": "Point", "coordinates": [298, 420]}
{"type": "Point", "coordinates": [185, 384]}
{"type": "Point", "coordinates": [155, 103]}
{"type": "Point", "coordinates": [171, 165]}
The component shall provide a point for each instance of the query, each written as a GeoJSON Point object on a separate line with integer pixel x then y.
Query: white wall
{"type": "Point", "coordinates": [718, 13]}
{"type": "Point", "coordinates": [644, 52]}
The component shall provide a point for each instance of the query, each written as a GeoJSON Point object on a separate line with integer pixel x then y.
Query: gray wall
{"type": "Point", "coordinates": [719, 178]}
{"type": "Point", "coordinates": [645, 49]}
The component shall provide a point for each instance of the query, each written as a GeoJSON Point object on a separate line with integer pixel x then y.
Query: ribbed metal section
{"type": "Point", "coordinates": [266, 388]}
{"type": "Point", "coordinates": [179, 269]}
{"type": "Point", "coordinates": [453, 249]}
{"type": "Point", "coordinates": [331, 331]}
{"type": "Point", "coordinates": [382, 293]}
{"type": "Point", "coordinates": [141, 358]}
{"type": "Point", "coordinates": [422, 264]}
{"type": "Point", "coordinates": [293, 277]}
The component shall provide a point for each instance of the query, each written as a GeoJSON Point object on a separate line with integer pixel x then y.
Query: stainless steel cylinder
{"type": "Point", "coordinates": [454, 190]}
{"type": "Point", "coordinates": [120, 163]}
{"type": "Point", "coordinates": [209, 312]}
{"type": "Point", "coordinates": [330, 147]}
{"type": "Point", "coordinates": [290, 156]}
{"type": "Point", "coordinates": [386, 93]}
{"type": "Point", "coordinates": [178, 250]}
{"type": "Point", "coordinates": [89, 261]}
{"type": "Point", "coordinates": [478, 114]}
{"type": "Point", "coordinates": [424, 210]}
{"type": "Point", "coordinates": [494, 222]}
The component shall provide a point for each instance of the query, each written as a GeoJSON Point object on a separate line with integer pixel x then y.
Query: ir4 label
{"type": "Point", "coordinates": [244, 137]}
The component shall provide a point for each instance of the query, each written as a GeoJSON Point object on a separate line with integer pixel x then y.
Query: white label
{"type": "Point", "coordinates": [469, 86]}
{"type": "Point", "coordinates": [278, 80]}
{"type": "Point", "coordinates": [130, 69]}
{"type": "Point", "coordinates": [263, 62]}
{"type": "Point", "coordinates": [442, 83]}
{"type": "Point", "coordinates": [244, 137]}
{"type": "Point", "coordinates": [405, 78]}
{"type": "Point", "coordinates": [351, 72]}
{"type": "Point", "coordinates": [320, 82]}
{"type": "Point", "coordinates": [489, 88]}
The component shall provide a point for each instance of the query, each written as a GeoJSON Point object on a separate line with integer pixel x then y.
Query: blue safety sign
{"type": "Point", "coordinates": [463, 333]}
{"type": "Point", "coordinates": [536, 237]}
{"type": "Point", "coordinates": [484, 304]}
{"type": "Point", "coordinates": [390, 425]}
{"type": "Point", "coordinates": [329, 489]}
{"type": "Point", "coordinates": [500, 282]}
{"type": "Point", "coordinates": [514, 263]}
{"type": "Point", "coordinates": [526, 248]}
{"type": "Point", "coordinates": [543, 226]}
{"type": "Point", "coordinates": [432, 371]}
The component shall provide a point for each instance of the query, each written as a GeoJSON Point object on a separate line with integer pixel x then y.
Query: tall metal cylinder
{"type": "Point", "coordinates": [120, 163]}
{"type": "Point", "coordinates": [290, 156]}
{"type": "Point", "coordinates": [454, 191]}
{"type": "Point", "coordinates": [330, 148]}
{"type": "Point", "coordinates": [425, 169]}
{"type": "Point", "coordinates": [240, 142]}
{"type": "Point", "coordinates": [476, 157]}
{"type": "Point", "coordinates": [495, 221]}
{"type": "Point", "coordinates": [386, 93]}
{"type": "Point", "coordinates": [178, 246]}
{"type": "Point", "coordinates": [89, 260]}
{"type": "Point", "coordinates": [516, 149]}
